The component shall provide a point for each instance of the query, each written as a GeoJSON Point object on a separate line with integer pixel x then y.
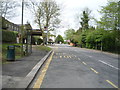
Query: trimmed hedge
{"type": "Point", "coordinates": [9, 36]}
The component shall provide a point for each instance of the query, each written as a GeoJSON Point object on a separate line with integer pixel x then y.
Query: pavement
{"type": "Point", "coordinates": [69, 67]}
{"type": "Point", "coordinates": [73, 67]}
{"type": "Point", "coordinates": [22, 69]}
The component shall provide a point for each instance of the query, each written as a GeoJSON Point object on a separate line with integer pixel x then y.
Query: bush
{"type": "Point", "coordinates": [59, 39]}
{"type": "Point", "coordinates": [36, 39]}
{"type": "Point", "coordinates": [9, 36]}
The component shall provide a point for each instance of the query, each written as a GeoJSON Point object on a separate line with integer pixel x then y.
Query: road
{"type": "Point", "coordinates": [73, 67]}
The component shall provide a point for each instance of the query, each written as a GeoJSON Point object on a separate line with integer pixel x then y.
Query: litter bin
{"type": "Point", "coordinates": [11, 53]}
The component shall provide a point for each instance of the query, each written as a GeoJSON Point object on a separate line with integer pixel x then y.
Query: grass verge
{"type": "Point", "coordinates": [43, 48]}
{"type": "Point", "coordinates": [4, 52]}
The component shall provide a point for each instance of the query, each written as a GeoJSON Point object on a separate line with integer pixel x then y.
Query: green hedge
{"type": "Point", "coordinates": [36, 39]}
{"type": "Point", "coordinates": [9, 36]}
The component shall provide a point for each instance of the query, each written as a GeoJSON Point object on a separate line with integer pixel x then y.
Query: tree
{"type": "Point", "coordinates": [84, 19]}
{"type": "Point", "coordinates": [59, 39]}
{"type": "Point", "coordinates": [46, 13]}
{"type": "Point", "coordinates": [7, 8]}
{"type": "Point", "coordinates": [69, 34]}
{"type": "Point", "coordinates": [109, 20]}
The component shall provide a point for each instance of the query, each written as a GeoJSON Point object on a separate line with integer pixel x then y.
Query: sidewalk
{"type": "Point", "coordinates": [14, 72]}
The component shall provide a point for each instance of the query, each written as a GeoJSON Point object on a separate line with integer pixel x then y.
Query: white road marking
{"type": "Point", "coordinates": [108, 64]}
{"type": "Point", "coordinates": [78, 58]}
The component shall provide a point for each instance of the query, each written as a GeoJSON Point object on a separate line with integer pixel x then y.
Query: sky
{"type": "Point", "coordinates": [69, 11]}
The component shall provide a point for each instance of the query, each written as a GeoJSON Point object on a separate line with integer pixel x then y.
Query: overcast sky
{"type": "Point", "coordinates": [70, 8]}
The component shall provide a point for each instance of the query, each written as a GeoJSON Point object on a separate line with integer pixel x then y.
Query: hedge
{"type": "Point", "coordinates": [9, 36]}
{"type": "Point", "coordinates": [36, 39]}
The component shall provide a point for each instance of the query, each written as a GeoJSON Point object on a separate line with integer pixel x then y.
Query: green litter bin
{"type": "Point", "coordinates": [11, 53]}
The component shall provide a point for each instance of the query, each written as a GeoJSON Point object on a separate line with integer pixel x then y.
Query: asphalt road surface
{"type": "Point", "coordinates": [73, 67]}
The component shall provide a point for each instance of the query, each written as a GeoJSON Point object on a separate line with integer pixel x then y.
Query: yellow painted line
{"type": "Point", "coordinates": [94, 70]}
{"type": "Point", "coordinates": [70, 57]}
{"type": "Point", "coordinates": [64, 56]}
{"type": "Point", "coordinates": [60, 56]}
{"type": "Point", "coordinates": [42, 75]}
{"type": "Point", "coordinates": [67, 56]}
{"type": "Point", "coordinates": [111, 84]}
{"type": "Point", "coordinates": [84, 63]}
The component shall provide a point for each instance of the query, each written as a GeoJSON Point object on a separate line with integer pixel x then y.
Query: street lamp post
{"type": "Point", "coordinates": [22, 29]}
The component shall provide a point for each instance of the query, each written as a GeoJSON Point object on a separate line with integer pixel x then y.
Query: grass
{"type": "Point", "coordinates": [4, 52]}
{"type": "Point", "coordinates": [17, 51]}
{"type": "Point", "coordinates": [43, 48]}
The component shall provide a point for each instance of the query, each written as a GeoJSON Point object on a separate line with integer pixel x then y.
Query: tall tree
{"type": "Point", "coordinates": [7, 8]}
{"type": "Point", "coordinates": [85, 20]}
{"type": "Point", "coordinates": [109, 20]}
{"type": "Point", "coordinates": [59, 39]}
{"type": "Point", "coordinates": [46, 13]}
{"type": "Point", "coordinates": [69, 34]}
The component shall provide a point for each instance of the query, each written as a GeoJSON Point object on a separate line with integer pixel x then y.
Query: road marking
{"type": "Point", "coordinates": [94, 70]}
{"type": "Point", "coordinates": [84, 63]}
{"type": "Point", "coordinates": [90, 56]}
{"type": "Point", "coordinates": [67, 56]}
{"type": "Point", "coordinates": [42, 75]}
{"type": "Point", "coordinates": [79, 59]}
{"type": "Point", "coordinates": [70, 57]}
{"type": "Point", "coordinates": [111, 84]}
{"type": "Point", "coordinates": [108, 64]}
{"type": "Point", "coordinates": [60, 56]}
{"type": "Point", "coordinates": [75, 56]}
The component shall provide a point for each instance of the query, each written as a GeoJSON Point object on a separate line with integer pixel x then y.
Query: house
{"type": "Point", "coordinates": [7, 25]}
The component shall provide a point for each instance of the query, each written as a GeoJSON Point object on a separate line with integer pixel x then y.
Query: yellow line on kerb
{"type": "Point", "coordinates": [111, 83]}
{"type": "Point", "coordinates": [41, 77]}
{"type": "Point", "coordinates": [94, 70]}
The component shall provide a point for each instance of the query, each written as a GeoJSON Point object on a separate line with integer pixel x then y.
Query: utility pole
{"type": "Point", "coordinates": [22, 29]}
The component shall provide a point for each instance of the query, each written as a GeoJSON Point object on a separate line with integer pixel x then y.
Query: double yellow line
{"type": "Point", "coordinates": [43, 72]}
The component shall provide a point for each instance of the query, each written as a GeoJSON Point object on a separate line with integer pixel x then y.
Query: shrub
{"type": "Point", "coordinates": [36, 39]}
{"type": "Point", "coordinates": [9, 36]}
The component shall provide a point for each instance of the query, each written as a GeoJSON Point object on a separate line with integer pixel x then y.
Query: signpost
{"type": "Point", "coordinates": [46, 32]}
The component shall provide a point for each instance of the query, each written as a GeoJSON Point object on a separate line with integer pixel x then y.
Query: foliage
{"type": "Point", "coordinates": [109, 20]}
{"type": "Point", "coordinates": [9, 36]}
{"type": "Point", "coordinates": [69, 34]}
{"type": "Point", "coordinates": [36, 40]}
{"type": "Point", "coordinates": [59, 39]}
{"type": "Point", "coordinates": [85, 19]}
{"type": "Point", "coordinates": [105, 37]}
{"type": "Point", "coordinates": [46, 13]}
